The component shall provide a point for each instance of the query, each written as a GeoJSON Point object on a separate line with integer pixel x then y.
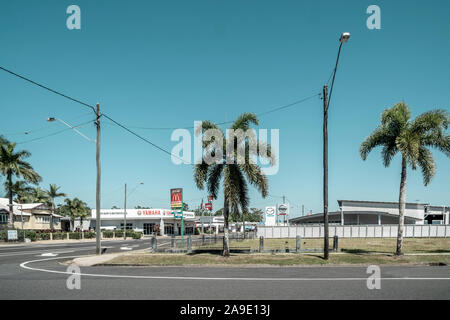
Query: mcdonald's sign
{"type": "Point", "coordinates": [176, 198]}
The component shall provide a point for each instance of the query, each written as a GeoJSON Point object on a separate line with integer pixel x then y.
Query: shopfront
{"type": "Point", "coordinates": [148, 221]}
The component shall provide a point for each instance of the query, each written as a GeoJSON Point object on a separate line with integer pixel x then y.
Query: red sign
{"type": "Point", "coordinates": [176, 198]}
{"type": "Point", "coordinates": [208, 206]}
{"type": "Point", "coordinates": [210, 198]}
{"type": "Point", "coordinates": [149, 212]}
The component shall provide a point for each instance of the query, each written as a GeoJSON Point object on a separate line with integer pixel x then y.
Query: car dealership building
{"type": "Point", "coordinates": [357, 212]}
{"type": "Point", "coordinates": [145, 220]}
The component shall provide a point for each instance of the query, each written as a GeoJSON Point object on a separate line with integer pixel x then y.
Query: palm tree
{"type": "Point", "coordinates": [397, 133]}
{"type": "Point", "coordinates": [12, 163]}
{"type": "Point", "coordinates": [74, 208]}
{"type": "Point", "coordinates": [52, 194]}
{"type": "Point", "coordinates": [39, 195]}
{"type": "Point", "coordinates": [235, 176]}
{"type": "Point", "coordinates": [21, 189]}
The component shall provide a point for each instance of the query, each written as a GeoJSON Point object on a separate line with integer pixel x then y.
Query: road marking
{"type": "Point", "coordinates": [24, 265]}
{"type": "Point", "coordinates": [126, 248]}
{"type": "Point", "coordinates": [32, 253]}
{"type": "Point", "coordinates": [49, 254]}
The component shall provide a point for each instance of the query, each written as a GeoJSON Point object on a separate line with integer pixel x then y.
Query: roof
{"type": "Point", "coordinates": [383, 202]}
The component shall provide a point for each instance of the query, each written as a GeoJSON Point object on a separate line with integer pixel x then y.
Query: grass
{"type": "Point", "coordinates": [147, 259]}
{"type": "Point", "coordinates": [351, 245]}
{"type": "Point", "coordinates": [354, 251]}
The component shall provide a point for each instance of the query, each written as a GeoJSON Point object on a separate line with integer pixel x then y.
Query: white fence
{"type": "Point", "coordinates": [357, 231]}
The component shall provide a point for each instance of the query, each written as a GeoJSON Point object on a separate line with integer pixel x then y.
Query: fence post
{"type": "Point", "coordinates": [154, 244]}
{"type": "Point", "coordinates": [189, 244]}
{"type": "Point", "coordinates": [335, 243]}
{"type": "Point", "coordinates": [298, 243]}
{"type": "Point", "coordinates": [203, 239]}
{"type": "Point", "coordinates": [261, 244]}
{"type": "Point", "coordinates": [67, 234]}
{"type": "Point", "coordinates": [51, 236]}
{"type": "Point", "coordinates": [173, 242]}
{"type": "Point", "coordinates": [215, 238]}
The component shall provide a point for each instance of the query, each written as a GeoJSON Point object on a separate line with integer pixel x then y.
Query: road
{"type": "Point", "coordinates": [33, 272]}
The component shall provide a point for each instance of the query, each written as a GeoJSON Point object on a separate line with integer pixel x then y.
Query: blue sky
{"type": "Point", "coordinates": [168, 63]}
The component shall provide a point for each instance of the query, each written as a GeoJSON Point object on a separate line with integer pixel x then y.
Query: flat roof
{"type": "Point", "coordinates": [383, 202]}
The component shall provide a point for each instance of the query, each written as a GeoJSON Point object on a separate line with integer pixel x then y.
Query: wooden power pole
{"type": "Point", "coordinates": [325, 172]}
{"type": "Point", "coordinates": [97, 198]}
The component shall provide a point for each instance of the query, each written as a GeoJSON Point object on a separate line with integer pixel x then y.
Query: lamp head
{"type": "Point", "coordinates": [51, 119]}
{"type": "Point", "coordinates": [344, 37]}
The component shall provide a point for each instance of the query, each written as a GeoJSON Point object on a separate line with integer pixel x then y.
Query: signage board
{"type": "Point", "coordinates": [270, 214]}
{"type": "Point", "coordinates": [176, 198]}
{"type": "Point", "coordinates": [283, 209]}
{"type": "Point", "coordinates": [208, 206]}
{"type": "Point", "coordinates": [12, 235]}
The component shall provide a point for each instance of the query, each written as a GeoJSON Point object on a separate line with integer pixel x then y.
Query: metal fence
{"type": "Point", "coordinates": [356, 231]}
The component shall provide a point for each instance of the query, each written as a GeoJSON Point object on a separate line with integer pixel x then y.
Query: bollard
{"type": "Point", "coordinates": [215, 238]}
{"type": "Point", "coordinates": [173, 241]}
{"type": "Point", "coordinates": [298, 243]}
{"type": "Point", "coordinates": [203, 240]}
{"type": "Point", "coordinates": [154, 244]}
{"type": "Point", "coordinates": [189, 244]}
{"type": "Point", "coordinates": [261, 244]}
{"type": "Point", "coordinates": [335, 243]}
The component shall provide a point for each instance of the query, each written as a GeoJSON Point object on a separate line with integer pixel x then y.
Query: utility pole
{"type": "Point", "coordinates": [284, 217]}
{"type": "Point", "coordinates": [325, 171]}
{"type": "Point", "coordinates": [201, 218]}
{"type": "Point", "coordinates": [98, 249]}
{"type": "Point", "coordinates": [125, 215]}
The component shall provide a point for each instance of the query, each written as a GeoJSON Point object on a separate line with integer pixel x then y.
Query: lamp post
{"type": "Point", "coordinates": [125, 210]}
{"type": "Point", "coordinates": [326, 102]}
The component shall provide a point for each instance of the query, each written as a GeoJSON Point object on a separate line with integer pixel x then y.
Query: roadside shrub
{"type": "Point", "coordinates": [136, 235]}
{"type": "Point", "coordinates": [89, 235]}
{"type": "Point", "coordinates": [59, 236]}
{"type": "Point", "coordinates": [108, 233]}
{"type": "Point", "coordinates": [43, 236]}
{"type": "Point", "coordinates": [75, 235]}
{"type": "Point", "coordinates": [197, 231]}
{"type": "Point", "coordinates": [119, 233]}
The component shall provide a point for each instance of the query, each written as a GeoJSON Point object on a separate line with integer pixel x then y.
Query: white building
{"type": "Point", "coordinates": [146, 220]}
{"type": "Point", "coordinates": [356, 212]}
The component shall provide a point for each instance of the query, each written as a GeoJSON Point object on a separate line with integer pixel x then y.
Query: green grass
{"type": "Point", "coordinates": [355, 245]}
{"type": "Point", "coordinates": [146, 259]}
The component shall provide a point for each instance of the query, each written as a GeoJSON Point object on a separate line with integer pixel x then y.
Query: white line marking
{"type": "Point", "coordinates": [32, 253]}
{"type": "Point", "coordinates": [24, 265]}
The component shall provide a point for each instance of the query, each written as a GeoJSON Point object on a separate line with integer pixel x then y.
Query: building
{"type": "Point", "coordinates": [356, 212]}
{"type": "Point", "coordinates": [214, 224]}
{"type": "Point", "coordinates": [36, 216]}
{"type": "Point", "coordinates": [149, 221]}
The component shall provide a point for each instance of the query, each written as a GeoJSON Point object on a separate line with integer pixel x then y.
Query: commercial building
{"type": "Point", "coordinates": [149, 221]}
{"type": "Point", "coordinates": [212, 224]}
{"type": "Point", "coordinates": [36, 216]}
{"type": "Point", "coordinates": [356, 212]}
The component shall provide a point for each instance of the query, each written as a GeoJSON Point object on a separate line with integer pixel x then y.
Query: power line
{"type": "Point", "coordinates": [47, 88]}
{"type": "Point", "coordinates": [55, 133]}
{"type": "Point", "coordinates": [228, 122]}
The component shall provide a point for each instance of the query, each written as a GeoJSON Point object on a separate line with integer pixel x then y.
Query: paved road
{"type": "Point", "coordinates": [26, 274]}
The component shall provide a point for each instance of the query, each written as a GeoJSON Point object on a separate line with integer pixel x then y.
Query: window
{"type": "Point", "coordinates": [129, 226]}
{"type": "Point", "coordinates": [42, 219]}
{"type": "Point", "coordinates": [168, 230]}
{"type": "Point", "coordinates": [55, 220]}
{"type": "Point", "coordinates": [3, 218]}
{"type": "Point", "coordinates": [19, 218]}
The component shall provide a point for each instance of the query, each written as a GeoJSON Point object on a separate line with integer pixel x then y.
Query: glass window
{"type": "Point", "coordinates": [43, 219]}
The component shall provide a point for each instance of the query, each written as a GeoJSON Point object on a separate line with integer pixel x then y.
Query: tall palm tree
{"type": "Point", "coordinates": [235, 175]}
{"type": "Point", "coordinates": [39, 195]}
{"type": "Point", "coordinates": [397, 133]}
{"type": "Point", "coordinates": [21, 189]}
{"type": "Point", "coordinates": [12, 163]}
{"type": "Point", "coordinates": [52, 194]}
{"type": "Point", "coordinates": [74, 208]}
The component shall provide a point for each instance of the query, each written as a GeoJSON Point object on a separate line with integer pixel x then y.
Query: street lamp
{"type": "Point", "coordinates": [125, 210]}
{"type": "Point", "coordinates": [52, 119]}
{"type": "Point", "coordinates": [326, 102]}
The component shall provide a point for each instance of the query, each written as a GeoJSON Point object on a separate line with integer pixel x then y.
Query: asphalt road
{"type": "Point", "coordinates": [31, 272]}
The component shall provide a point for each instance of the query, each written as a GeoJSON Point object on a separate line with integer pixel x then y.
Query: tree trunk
{"type": "Point", "coordinates": [51, 216]}
{"type": "Point", "coordinates": [10, 195]}
{"type": "Point", "coordinates": [401, 209]}
{"type": "Point", "coordinates": [226, 244]}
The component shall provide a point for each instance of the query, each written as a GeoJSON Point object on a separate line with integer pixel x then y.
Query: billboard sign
{"type": "Point", "coordinates": [283, 209]}
{"type": "Point", "coordinates": [176, 198]}
{"type": "Point", "coordinates": [270, 214]}
{"type": "Point", "coordinates": [12, 235]}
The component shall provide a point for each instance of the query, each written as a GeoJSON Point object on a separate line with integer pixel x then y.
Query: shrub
{"type": "Point", "coordinates": [136, 235]}
{"type": "Point", "coordinates": [59, 236]}
{"type": "Point", "coordinates": [43, 236]}
{"type": "Point", "coordinates": [119, 233]}
{"type": "Point", "coordinates": [74, 235]}
{"type": "Point", "coordinates": [89, 235]}
{"type": "Point", "coordinates": [108, 233]}
{"type": "Point", "coordinates": [197, 231]}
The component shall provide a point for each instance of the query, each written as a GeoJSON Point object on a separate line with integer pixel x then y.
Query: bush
{"type": "Point", "coordinates": [59, 236]}
{"type": "Point", "coordinates": [75, 235]}
{"type": "Point", "coordinates": [119, 233]}
{"type": "Point", "coordinates": [89, 235]}
{"type": "Point", "coordinates": [136, 235]}
{"type": "Point", "coordinates": [108, 233]}
{"type": "Point", "coordinates": [43, 236]}
{"type": "Point", "coordinates": [197, 231]}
